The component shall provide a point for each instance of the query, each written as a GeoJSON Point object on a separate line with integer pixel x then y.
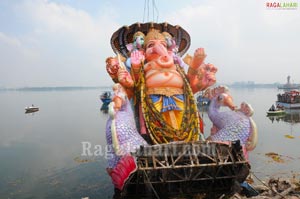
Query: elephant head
{"type": "Point", "coordinates": [156, 49]}
{"type": "Point", "coordinates": [138, 42]}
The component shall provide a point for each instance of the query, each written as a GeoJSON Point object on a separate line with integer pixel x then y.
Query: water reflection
{"type": "Point", "coordinates": [82, 180]}
{"type": "Point", "coordinates": [291, 116]}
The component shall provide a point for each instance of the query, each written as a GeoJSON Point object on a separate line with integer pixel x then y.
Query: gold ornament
{"type": "Point", "coordinates": [154, 34]}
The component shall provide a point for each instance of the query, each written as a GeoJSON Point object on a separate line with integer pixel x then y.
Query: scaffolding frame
{"type": "Point", "coordinates": [187, 169]}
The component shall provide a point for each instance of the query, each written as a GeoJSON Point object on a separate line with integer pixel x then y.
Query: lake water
{"type": "Point", "coordinates": [41, 154]}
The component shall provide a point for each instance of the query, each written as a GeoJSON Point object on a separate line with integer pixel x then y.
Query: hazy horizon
{"type": "Point", "coordinates": [245, 83]}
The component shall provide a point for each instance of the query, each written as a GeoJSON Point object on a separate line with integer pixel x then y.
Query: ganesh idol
{"type": "Point", "coordinates": [159, 82]}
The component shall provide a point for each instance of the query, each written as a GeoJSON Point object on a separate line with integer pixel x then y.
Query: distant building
{"type": "Point", "coordinates": [289, 85]}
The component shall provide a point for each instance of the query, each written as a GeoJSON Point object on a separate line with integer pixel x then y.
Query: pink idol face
{"type": "Point", "coordinates": [156, 48]}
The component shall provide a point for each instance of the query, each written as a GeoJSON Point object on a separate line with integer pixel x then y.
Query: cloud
{"type": "Point", "coordinates": [4, 39]}
{"type": "Point", "coordinates": [61, 20]}
{"type": "Point", "coordinates": [70, 45]}
{"type": "Point", "coordinates": [14, 56]}
{"type": "Point", "coordinates": [17, 46]}
{"type": "Point", "coordinates": [67, 45]}
{"type": "Point", "coordinates": [245, 46]}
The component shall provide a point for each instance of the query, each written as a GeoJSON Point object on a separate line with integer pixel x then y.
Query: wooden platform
{"type": "Point", "coordinates": [187, 169]}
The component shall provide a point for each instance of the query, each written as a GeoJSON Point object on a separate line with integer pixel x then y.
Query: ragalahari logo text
{"type": "Point", "coordinates": [282, 5]}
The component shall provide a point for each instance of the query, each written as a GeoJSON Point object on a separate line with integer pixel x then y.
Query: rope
{"type": "Point", "coordinates": [144, 11]}
{"type": "Point", "coordinates": [147, 11]}
{"type": "Point", "coordinates": [153, 10]}
{"type": "Point", "coordinates": [154, 5]}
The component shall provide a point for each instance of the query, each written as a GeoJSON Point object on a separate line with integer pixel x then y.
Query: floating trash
{"type": "Point", "coordinates": [275, 156]}
{"type": "Point", "coordinates": [289, 136]}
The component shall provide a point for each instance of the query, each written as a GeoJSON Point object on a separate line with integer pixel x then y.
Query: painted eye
{"type": "Point", "coordinates": [164, 44]}
{"type": "Point", "coordinates": [150, 45]}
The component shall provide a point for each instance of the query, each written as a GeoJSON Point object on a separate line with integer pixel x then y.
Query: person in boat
{"type": "Point", "coordinates": [272, 108]}
{"type": "Point", "coordinates": [121, 133]}
{"type": "Point", "coordinates": [163, 93]}
{"type": "Point", "coordinates": [278, 107]}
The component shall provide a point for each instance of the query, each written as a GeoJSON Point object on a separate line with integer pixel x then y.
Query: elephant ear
{"type": "Point", "coordinates": [129, 47]}
{"type": "Point", "coordinates": [120, 174]}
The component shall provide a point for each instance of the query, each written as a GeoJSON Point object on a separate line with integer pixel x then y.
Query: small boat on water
{"type": "Point", "coordinates": [31, 109]}
{"type": "Point", "coordinates": [291, 116]}
{"type": "Point", "coordinates": [289, 100]}
{"type": "Point", "coordinates": [276, 112]}
{"type": "Point", "coordinates": [106, 97]}
{"type": "Point", "coordinates": [203, 101]}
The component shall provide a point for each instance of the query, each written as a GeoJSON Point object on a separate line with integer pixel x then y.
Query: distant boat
{"type": "Point", "coordinates": [289, 100]}
{"type": "Point", "coordinates": [289, 85]}
{"type": "Point", "coordinates": [202, 103]}
{"type": "Point", "coordinates": [203, 100]}
{"type": "Point", "coordinates": [31, 109]}
{"type": "Point", "coordinates": [276, 112]}
{"type": "Point", "coordinates": [106, 97]}
{"type": "Point", "coordinates": [291, 116]}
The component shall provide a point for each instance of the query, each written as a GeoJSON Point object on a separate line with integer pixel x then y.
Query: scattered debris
{"type": "Point", "coordinates": [81, 160]}
{"type": "Point", "coordinates": [275, 188]}
{"type": "Point", "coordinates": [275, 156]}
{"type": "Point", "coordinates": [289, 136]}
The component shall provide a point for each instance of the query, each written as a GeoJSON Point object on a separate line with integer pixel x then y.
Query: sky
{"type": "Point", "coordinates": [66, 42]}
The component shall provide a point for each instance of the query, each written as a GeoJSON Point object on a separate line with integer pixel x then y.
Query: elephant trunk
{"type": "Point", "coordinates": [165, 59]}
